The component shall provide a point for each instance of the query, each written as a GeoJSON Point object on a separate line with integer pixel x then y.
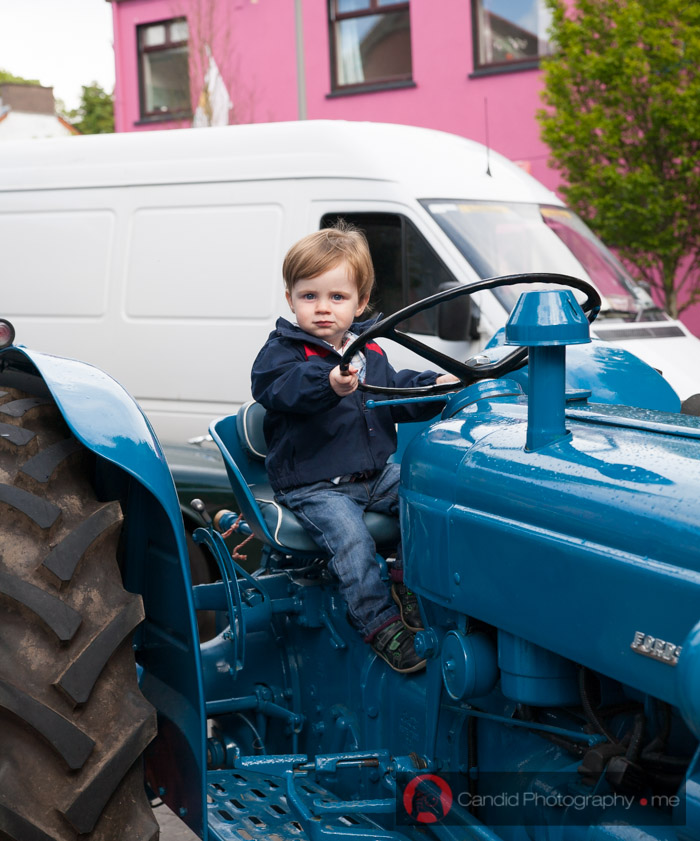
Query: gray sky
{"type": "Point", "coordinates": [65, 44]}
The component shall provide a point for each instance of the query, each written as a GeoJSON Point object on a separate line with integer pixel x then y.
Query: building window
{"type": "Point", "coordinates": [370, 42]}
{"type": "Point", "coordinates": [164, 69]}
{"type": "Point", "coordinates": [509, 32]}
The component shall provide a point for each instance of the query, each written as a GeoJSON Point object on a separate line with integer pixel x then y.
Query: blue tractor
{"type": "Point", "coordinates": [551, 530]}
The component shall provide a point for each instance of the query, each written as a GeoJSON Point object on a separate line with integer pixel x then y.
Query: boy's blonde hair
{"type": "Point", "coordinates": [323, 250]}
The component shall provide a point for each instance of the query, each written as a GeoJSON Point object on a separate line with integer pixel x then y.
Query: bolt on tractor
{"type": "Point", "coordinates": [550, 520]}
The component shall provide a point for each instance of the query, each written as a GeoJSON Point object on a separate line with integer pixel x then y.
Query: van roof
{"type": "Point", "coordinates": [431, 164]}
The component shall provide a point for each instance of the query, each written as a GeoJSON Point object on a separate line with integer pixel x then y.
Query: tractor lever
{"type": "Point", "coordinates": [198, 506]}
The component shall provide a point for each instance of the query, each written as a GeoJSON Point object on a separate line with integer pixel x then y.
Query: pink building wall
{"type": "Point", "coordinates": [444, 97]}
{"type": "Point", "coordinates": [254, 44]}
{"type": "Point", "coordinates": [257, 56]}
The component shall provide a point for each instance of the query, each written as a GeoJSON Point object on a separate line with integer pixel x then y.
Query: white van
{"type": "Point", "coordinates": [157, 255]}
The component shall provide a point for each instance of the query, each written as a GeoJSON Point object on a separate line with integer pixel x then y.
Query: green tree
{"type": "Point", "coordinates": [6, 76]}
{"type": "Point", "coordinates": [622, 123]}
{"type": "Point", "coordinates": [95, 114]}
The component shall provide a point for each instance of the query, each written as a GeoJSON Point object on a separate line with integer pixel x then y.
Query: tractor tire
{"type": "Point", "coordinates": [73, 722]}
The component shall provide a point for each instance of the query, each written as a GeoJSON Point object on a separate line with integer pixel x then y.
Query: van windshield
{"type": "Point", "coordinates": [500, 238]}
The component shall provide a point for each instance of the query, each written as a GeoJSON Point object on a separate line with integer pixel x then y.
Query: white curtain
{"type": "Point", "coordinates": [350, 70]}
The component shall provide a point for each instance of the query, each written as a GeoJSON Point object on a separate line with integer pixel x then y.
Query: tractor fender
{"type": "Point", "coordinates": [107, 420]}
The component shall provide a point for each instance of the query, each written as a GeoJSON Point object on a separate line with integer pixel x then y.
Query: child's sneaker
{"type": "Point", "coordinates": [394, 644]}
{"type": "Point", "coordinates": [408, 605]}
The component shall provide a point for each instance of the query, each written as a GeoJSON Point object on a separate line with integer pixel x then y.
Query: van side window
{"type": "Point", "coordinates": [406, 267]}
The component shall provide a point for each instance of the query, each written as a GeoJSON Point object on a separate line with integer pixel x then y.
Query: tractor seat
{"type": "Point", "coordinates": [242, 443]}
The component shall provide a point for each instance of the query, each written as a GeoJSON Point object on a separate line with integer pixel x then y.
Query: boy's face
{"type": "Point", "coordinates": [326, 305]}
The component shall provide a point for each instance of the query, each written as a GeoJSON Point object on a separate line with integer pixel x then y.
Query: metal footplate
{"type": "Point", "coordinates": [246, 805]}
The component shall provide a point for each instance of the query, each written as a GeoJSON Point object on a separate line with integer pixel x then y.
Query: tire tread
{"type": "Point", "coordinates": [72, 718]}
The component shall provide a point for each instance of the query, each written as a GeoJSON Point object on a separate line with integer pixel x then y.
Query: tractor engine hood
{"type": "Point", "coordinates": [583, 538]}
{"type": "Point", "coordinates": [580, 547]}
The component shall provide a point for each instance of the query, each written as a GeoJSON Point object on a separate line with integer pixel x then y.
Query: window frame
{"type": "Point", "coordinates": [362, 219]}
{"type": "Point", "coordinates": [481, 69]}
{"type": "Point", "coordinates": [142, 50]}
{"type": "Point", "coordinates": [374, 8]}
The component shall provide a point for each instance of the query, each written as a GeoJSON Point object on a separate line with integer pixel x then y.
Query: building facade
{"type": "Point", "coordinates": [472, 69]}
{"type": "Point", "coordinates": [29, 111]}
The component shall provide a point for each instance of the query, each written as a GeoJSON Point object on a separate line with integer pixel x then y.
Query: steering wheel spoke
{"type": "Point", "coordinates": [449, 363]}
{"type": "Point", "coordinates": [467, 373]}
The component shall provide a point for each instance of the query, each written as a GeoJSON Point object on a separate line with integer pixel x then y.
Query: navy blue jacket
{"type": "Point", "coordinates": [313, 434]}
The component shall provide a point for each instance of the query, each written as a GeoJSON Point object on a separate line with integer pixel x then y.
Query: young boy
{"type": "Point", "coordinates": [327, 453]}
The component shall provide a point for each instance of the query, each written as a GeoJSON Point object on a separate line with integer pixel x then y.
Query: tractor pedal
{"type": "Point", "coordinates": [245, 805]}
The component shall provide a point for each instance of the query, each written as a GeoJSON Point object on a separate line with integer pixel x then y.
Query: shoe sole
{"type": "Point", "coordinates": [420, 665]}
{"type": "Point", "coordinates": [406, 625]}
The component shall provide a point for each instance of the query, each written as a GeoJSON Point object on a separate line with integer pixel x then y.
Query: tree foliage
{"type": "Point", "coordinates": [623, 127]}
{"type": "Point", "coordinates": [6, 76]}
{"type": "Point", "coordinates": [95, 114]}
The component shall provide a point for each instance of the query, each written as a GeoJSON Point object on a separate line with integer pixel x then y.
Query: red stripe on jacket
{"type": "Point", "coordinates": [315, 351]}
{"type": "Point", "coordinates": [322, 352]}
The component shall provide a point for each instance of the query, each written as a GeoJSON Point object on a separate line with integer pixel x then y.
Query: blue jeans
{"type": "Point", "coordinates": [332, 515]}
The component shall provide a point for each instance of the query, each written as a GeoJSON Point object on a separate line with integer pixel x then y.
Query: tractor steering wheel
{"type": "Point", "coordinates": [467, 373]}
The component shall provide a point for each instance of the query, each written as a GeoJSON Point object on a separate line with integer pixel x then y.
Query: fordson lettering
{"type": "Point", "coordinates": [657, 649]}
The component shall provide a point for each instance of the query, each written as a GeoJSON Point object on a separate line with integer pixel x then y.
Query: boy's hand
{"type": "Point", "coordinates": [343, 384]}
{"type": "Point", "coordinates": [446, 378]}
